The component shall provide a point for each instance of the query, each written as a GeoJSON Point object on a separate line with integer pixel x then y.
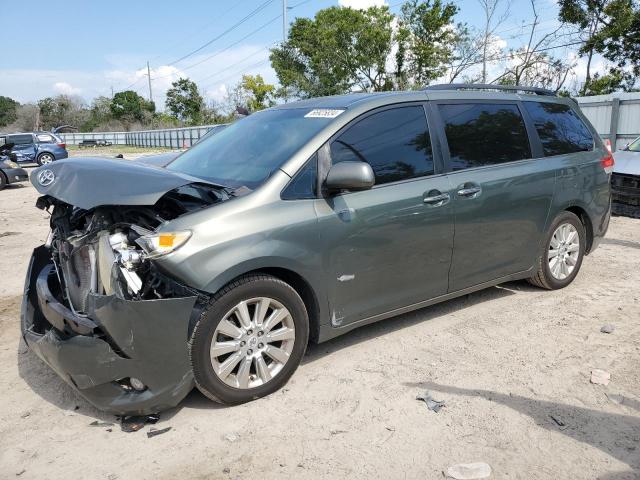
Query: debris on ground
{"type": "Point", "coordinates": [433, 405]}
{"type": "Point", "coordinates": [133, 423]}
{"type": "Point", "coordinates": [25, 414]}
{"type": "Point", "coordinates": [232, 437]}
{"type": "Point", "coordinates": [600, 377]}
{"type": "Point", "coordinates": [96, 423]}
{"type": "Point", "coordinates": [469, 471]}
{"type": "Point", "coordinates": [558, 422]}
{"type": "Point", "coordinates": [608, 328]}
{"type": "Point", "coordinates": [8, 234]}
{"type": "Point", "coordinates": [20, 472]}
{"type": "Point", "coordinates": [615, 398]}
{"type": "Point", "coordinates": [154, 432]}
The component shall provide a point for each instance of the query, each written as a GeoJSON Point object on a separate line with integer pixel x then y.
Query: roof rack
{"type": "Point", "coordinates": [488, 86]}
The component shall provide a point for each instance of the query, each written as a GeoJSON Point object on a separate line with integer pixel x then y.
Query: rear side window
{"type": "Point", "coordinates": [559, 128]}
{"type": "Point", "coordinates": [45, 138]}
{"type": "Point", "coordinates": [20, 139]}
{"type": "Point", "coordinates": [394, 142]}
{"type": "Point", "coordinates": [482, 134]}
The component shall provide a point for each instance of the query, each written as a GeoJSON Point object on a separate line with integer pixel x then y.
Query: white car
{"type": "Point", "coordinates": [625, 181]}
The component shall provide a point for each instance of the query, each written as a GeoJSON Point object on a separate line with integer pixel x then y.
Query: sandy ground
{"type": "Point", "coordinates": [504, 360]}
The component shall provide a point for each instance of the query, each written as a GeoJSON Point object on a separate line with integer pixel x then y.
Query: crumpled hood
{"type": "Point", "coordinates": [91, 182]}
{"type": "Point", "coordinates": [627, 163]}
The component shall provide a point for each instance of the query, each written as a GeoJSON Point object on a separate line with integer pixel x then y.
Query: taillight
{"type": "Point", "coordinates": [607, 163]}
{"type": "Point", "coordinates": [62, 145]}
{"type": "Point", "coordinates": [607, 143]}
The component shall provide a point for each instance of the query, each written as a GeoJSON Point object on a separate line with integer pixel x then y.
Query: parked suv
{"type": "Point", "coordinates": [302, 222]}
{"type": "Point", "coordinates": [36, 147]}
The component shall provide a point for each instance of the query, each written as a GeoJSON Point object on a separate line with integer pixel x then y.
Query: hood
{"type": "Point", "coordinates": [90, 182]}
{"type": "Point", "coordinates": [158, 160]}
{"type": "Point", "coordinates": [627, 163]}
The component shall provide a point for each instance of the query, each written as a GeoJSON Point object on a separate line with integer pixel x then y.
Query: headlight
{"type": "Point", "coordinates": [162, 243]}
{"type": "Point", "coordinates": [12, 164]}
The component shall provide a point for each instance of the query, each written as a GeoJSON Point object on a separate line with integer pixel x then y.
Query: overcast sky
{"type": "Point", "coordinates": [86, 48]}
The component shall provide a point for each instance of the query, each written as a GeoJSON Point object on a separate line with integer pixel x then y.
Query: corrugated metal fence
{"type": "Point", "coordinates": [615, 116]}
{"type": "Point", "coordinates": [168, 137]}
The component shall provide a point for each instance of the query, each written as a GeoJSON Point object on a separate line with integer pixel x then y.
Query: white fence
{"type": "Point", "coordinates": [615, 116]}
{"type": "Point", "coordinates": [168, 137]}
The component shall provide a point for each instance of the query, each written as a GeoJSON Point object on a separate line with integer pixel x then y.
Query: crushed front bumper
{"type": "Point", "coordinates": [117, 340]}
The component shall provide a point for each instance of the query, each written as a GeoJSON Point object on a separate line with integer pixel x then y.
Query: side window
{"type": "Point", "coordinates": [394, 142]}
{"type": "Point", "coordinates": [20, 139]}
{"type": "Point", "coordinates": [559, 128]}
{"type": "Point", "coordinates": [45, 138]}
{"type": "Point", "coordinates": [303, 185]}
{"type": "Point", "coordinates": [481, 134]}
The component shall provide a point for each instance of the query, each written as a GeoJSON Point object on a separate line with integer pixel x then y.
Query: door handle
{"type": "Point", "coordinates": [436, 199]}
{"type": "Point", "coordinates": [469, 190]}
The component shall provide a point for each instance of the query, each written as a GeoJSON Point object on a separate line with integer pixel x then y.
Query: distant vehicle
{"type": "Point", "coordinates": [94, 143]}
{"type": "Point", "coordinates": [164, 159]}
{"type": "Point", "coordinates": [38, 147]}
{"type": "Point", "coordinates": [625, 181]}
{"type": "Point", "coordinates": [10, 172]}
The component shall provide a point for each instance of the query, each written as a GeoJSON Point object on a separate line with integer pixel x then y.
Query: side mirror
{"type": "Point", "coordinates": [350, 176]}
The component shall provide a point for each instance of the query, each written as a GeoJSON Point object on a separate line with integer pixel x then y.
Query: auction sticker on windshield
{"type": "Point", "coordinates": [323, 113]}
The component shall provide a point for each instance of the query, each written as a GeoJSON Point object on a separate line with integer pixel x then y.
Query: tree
{"type": "Point", "coordinates": [592, 19]}
{"type": "Point", "coordinates": [341, 48]}
{"type": "Point", "coordinates": [260, 94]}
{"type": "Point", "coordinates": [185, 102]}
{"type": "Point", "coordinates": [99, 114]}
{"type": "Point", "coordinates": [128, 106]}
{"type": "Point", "coordinates": [61, 110]}
{"type": "Point", "coordinates": [530, 65]}
{"type": "Point", "coordinates": [496, 13]}
{"type": "Point", "coordinates": [610, 82]}
{"type": "Point", "coordinates": [619, 39]}
{"type": "Point", "coordinates": [426, 36]}
{"type": "Point", "coordinates": [8, 110]}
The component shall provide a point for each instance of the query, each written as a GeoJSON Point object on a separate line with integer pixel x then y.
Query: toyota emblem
{"type": "Point", "coordinates": [46, 177]}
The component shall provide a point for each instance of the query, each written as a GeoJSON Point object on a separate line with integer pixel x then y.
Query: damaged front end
{"type": "Point", "coordinates": [101, 314]}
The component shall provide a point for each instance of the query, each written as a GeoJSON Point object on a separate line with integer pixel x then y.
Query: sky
{"type": "Point", "coordinates": [87, 48]}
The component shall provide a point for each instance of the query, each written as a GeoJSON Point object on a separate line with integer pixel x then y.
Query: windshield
{"type": "Point", "coordinates": [247, 152]}
{"type": "Point", "coordinates": [634, 146]}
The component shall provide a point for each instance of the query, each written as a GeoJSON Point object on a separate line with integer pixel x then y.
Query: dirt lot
{"type": "Point", "coordinates": [505, 361]}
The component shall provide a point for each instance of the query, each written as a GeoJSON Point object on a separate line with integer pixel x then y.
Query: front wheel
{"type": "Point", "coordinates": [44, 158]}
{"type": "Point", "coordinates": [249, 340]}
{"type": "Point", "coordinates": [563, 252]}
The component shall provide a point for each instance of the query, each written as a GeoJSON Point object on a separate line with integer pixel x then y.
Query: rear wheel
{"type": "Point", "coordinates": [3, 180]}
{"type": "Point", "coordinates": [563, 252]}
{"type": "Point", "coordinates": [45, 158]}
{"type": "Point", "coordinates": [250, 339]}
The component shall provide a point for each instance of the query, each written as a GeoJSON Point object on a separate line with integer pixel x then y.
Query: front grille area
{"type": "Point", "coordinates": [80, 276]}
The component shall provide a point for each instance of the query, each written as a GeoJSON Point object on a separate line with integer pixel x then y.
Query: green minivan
{"type": "Point", "coordinates": [300, 223]}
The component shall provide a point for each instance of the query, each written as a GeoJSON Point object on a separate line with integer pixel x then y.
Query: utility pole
{"type": "Point", "coordinates": [284, 20]}
{"type": "Point", "coordinates": [111, 91]}
{"type": "Point", "coordinates": [149, 78]}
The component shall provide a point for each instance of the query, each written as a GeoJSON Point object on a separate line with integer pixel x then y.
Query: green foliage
{"type": "Point", "coordinates": [61, 110]}
{"type": "Point", "coordinates": [426, 39]}
{"type": "Point", "coordinates": [8, 111]}
{"type": "Point", "coordinates": [260, 94]}
{"type": "Point", "coordinates": [339, 49]}
{"type": "Point", "coordinates": [185, 102]}
{"type": "Point", "coordinates": [129, 106]}
{"type": "Point", "coordinates": [611, 82]}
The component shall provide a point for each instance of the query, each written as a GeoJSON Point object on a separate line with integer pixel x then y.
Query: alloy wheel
{"type": "Point", "coordinates": [564, 251]}
{"type": "Point", "coordinates": [252, 343]}
{"type": "Point", "coordinates": [45, 158]}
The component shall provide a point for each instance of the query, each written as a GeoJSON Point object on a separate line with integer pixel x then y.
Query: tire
{"type": "Point", "coordinates": [246, 383]}
{"type": "Point", "coordinates": [45, 158]}
{"type": "Point", "coordinates": [3, 181]}
{"type": "Point", "coordinates": [553, 275]}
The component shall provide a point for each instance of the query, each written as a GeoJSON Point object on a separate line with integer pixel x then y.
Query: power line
{"type": "Point", "coordinates": [233, 65]}
{"type": "Point", "coordinates": [253, 13]}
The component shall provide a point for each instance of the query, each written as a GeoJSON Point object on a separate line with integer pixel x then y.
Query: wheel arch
{"type": "Point", "coordinates": [581, 213]}
{"type": "Point", "coordinates": [299, 282]}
